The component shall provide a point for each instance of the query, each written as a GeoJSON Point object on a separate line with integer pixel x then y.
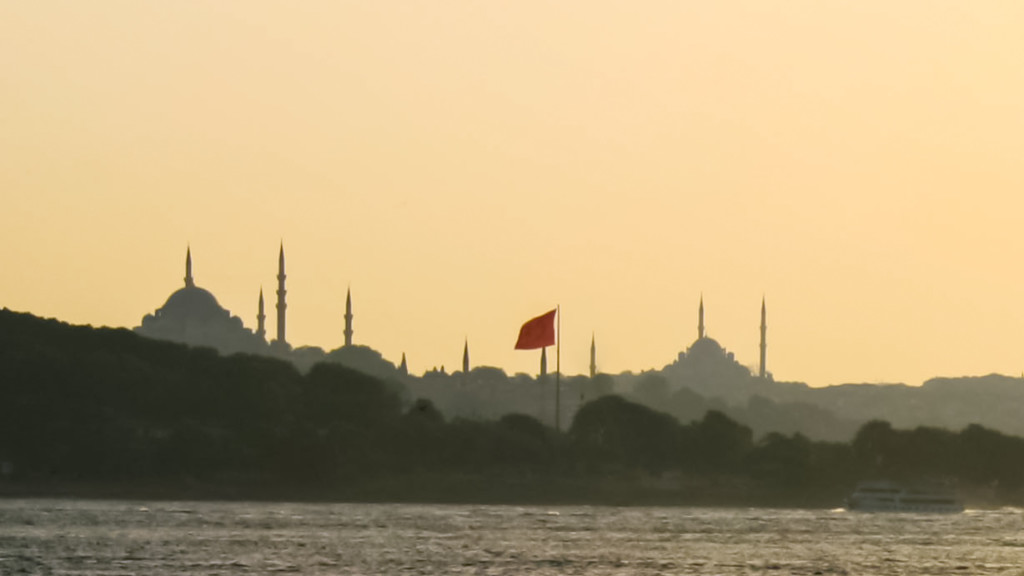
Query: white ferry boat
{"type": "Point", "coordinates": [893, 497]}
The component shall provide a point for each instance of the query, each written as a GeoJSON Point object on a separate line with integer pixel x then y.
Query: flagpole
{"type": "Point", "coordinates": [558, 368]}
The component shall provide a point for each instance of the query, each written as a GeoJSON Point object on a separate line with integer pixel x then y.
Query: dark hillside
{"type": "Point", "coordinates": [103, 412]}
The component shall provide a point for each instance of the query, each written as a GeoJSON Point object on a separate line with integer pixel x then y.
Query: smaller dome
{"type": "Point", "coordinates": [192, 302]}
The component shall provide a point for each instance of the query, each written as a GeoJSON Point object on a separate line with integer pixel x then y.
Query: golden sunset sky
{"type": "Point", "coordinates": [466, 165]}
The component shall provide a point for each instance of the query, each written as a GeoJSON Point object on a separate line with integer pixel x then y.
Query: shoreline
{"type": "Point", "coordinates": [432, 489]}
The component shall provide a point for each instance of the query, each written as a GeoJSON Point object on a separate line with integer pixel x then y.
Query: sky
{"type": "Point", "coordinates": [463, 166]}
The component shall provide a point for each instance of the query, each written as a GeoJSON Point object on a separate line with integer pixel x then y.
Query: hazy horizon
{"type": "Point", "coordinates": [465, 167]}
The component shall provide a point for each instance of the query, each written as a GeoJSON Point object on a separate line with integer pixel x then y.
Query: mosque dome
{"type": "Point", "coordinates": [193, 302]}
{"type": "Point", "coordinates": [192, 315]}
{"type": "Point", "coordinates": [706, 346]}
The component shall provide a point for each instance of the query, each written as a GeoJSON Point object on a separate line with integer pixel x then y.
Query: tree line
{"type": "Point", "coordinates": [84, 406]}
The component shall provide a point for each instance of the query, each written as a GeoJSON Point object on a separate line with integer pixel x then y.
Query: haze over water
{"type": "Point", "coordinates": [109, 537]}
{"type": "Point", "coordinates": [464, 166]}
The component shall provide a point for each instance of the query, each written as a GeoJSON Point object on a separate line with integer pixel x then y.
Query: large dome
{"type": "Point", "coordinates": [706, 346]}
{"type": "Point", "coordinates": [193, 302]}
{"type": "Point", "coordinates": [193, 316]}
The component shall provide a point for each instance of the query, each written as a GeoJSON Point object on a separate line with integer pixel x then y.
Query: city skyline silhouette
{"type": "Point", "coordinates": [461, 167]}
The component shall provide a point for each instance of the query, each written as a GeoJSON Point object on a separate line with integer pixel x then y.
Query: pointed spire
{"type": "Point", "coordinates": [465, 358]}
{"type": "Point", "coordinates": [762, 371]}
{"type": "Point", "coordinates": [261, 318]}
{"type": "Point", "coordinates": [403, 368]}
{"type": "Point", "coordinates": [348, 318]}
{"type": "Point", "coordinates": [700, 318]}
{"type": "Point", "coordinates": [543, 362]}
{"type": "Point", "coordinates": [189, 283]}
{"type": "Point", "coordinates": [593, 356]}
{"type": "Point", "coordinates": [281, 305]}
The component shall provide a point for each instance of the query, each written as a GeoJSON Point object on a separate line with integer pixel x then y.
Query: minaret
{"type": "Point", "coordinates": [188, 268]}
{"type": "Point", "coordinates": [403, 368]}
{"type": "Point", "coordinates": [261, 318]}
{"type": "Point", "coordinates": [465, 358]}
{"type": "Point", "coordinates": [543, 362]}
{"type": "Point", "coordinates": [764, 343]}
{"type": "Point", "coordinates": [700, 319]}
{"type": "Point", "coordinates": [281, 306]}
{"type": "Point", "coordinates": [593, 357]}
{"type": "Point", "coordinates": [348, 318]}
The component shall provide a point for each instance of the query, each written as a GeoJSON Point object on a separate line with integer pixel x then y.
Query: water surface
{"type": "Point", "coordinates": [216, 538]}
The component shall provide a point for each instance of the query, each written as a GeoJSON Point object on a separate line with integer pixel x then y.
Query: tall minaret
{"type": "Point", "coordinates": [348, 318]}
{"type": "Point", "coordinates": [281, 306]}
{"type": "Point", "coordinates": [700, 319]}
{"type": "Point", "coordinates": [403, 368]}
{"type": "Point", "coordinates": [764, 342]}
{"type": "Point", "coordinates": [543, 362]}
{"type": "Point", "coordinates": [188, 268]}
{"type": "Point", "coordinates": [593, 357]}
{"type": "Point", "coordinates": [465, 358]}
{"type": "Point", "coordinates": [261, 318]}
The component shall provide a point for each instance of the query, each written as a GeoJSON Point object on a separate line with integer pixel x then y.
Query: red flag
{"type": "Point", "coordinates": [538, 332]}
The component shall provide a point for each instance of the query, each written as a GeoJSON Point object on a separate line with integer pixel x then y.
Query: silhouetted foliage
{"type": "Point", "coordinates": [781, 460]}
{"type": "Point", "coordinates": [103, 405]}
{"type": "Point", "coordinates": [612, 432]}
{"type": "Point", "coordinates": [652, 390]}
{"type": "Point", "coordinates": [600, 385]}
{"type": "Point", "coordinates": [719, 443]}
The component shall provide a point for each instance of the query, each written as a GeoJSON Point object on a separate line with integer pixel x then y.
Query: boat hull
{"type": "Point", "coordinates": [890, 497]}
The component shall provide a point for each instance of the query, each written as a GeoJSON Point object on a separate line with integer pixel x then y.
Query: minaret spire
{"type": "Point", "coordinates": [348, 318]}
{"type": "Point", "coordinates": [593, 357]}
{"type": "Point", "coordinates": [543, 362]}
{"type": "Point", "coordinates": [281, 305]}
{"type": "Point", "coordinates": [189, 283]}
{"type": "Point", "coordinates": [465, 358]}
{"type": "Point", "coordinates": [764, 343]}
{"type": "Point", "coordinates": [261, 318]}
{"type": "Point", "coordinates": [700, 319]}
{"type": "Point", "coordinates": [403, 368]}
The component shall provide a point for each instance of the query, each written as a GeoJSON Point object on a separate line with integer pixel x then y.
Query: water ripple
{"type": "Point", "coordinates": [104, 538]}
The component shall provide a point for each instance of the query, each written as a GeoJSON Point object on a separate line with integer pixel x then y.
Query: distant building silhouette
{"type": "Point", "coordinates": [543, 361]}
{"type": "Point", "coordinates": [189, 283]}
{"type": "Point", "coordinates": [700, 319]}
{"type": "Point", "coordinates": [348, 318]}
{"type": "Point", "coordinates": [281, 344]}
{"type": "Point", "coordinates": [712, 371]}
{"type": "Point", "coordinates": [403, 368]}
{"type": "Point", "coordinates": [261, 320]}
{"type": "Point", "coordinates": [593, 357]}
{"type": "Point", "coordinates": [465, 358]}
{"type": "Point", "coordinates": [764, 344]}
{"type": "Point", "coordinates": [704, 345]}
{"type": "Point", "coordinates": [192, 315]}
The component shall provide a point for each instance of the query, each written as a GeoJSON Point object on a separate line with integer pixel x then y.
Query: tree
{"type": "Point", "coordinates": [612, 432]}
{"type": "Point", "coordinates": [873, 446]}
{"type": "Point", "coordinates": [720, 443]}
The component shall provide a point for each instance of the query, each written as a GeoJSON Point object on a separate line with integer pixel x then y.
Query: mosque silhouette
{"type": "Point", "coordinates": [192, 315]}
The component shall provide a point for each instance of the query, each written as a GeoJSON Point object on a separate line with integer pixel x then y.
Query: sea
{"type": "Point", "coordinates": [107, 537]}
